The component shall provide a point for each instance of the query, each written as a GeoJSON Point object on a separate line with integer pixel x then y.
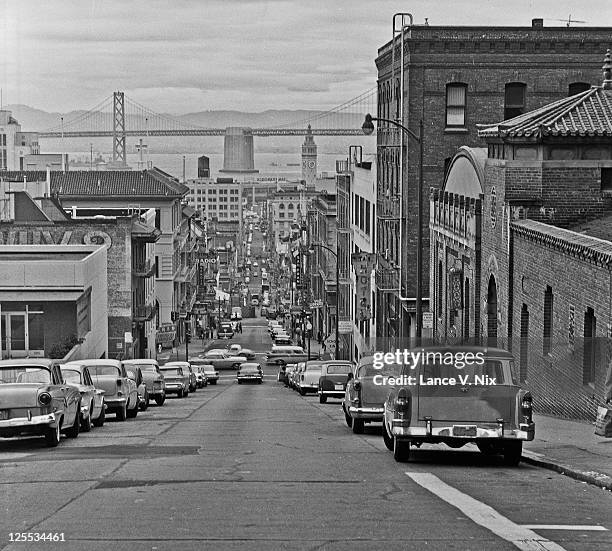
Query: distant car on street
{"type": "Point", "coordinates": [177, 381]}
{"type": "Point", "coordinates": [250, 372]}
{"type": "Point", "coordinates": [333, 380]}
{"type": "Point", "coordinates": [236, 313]}
{"type": "Point", "coordinates": [212, 375]}
{"type": "Point", "coordinates": [152, 377]}
{"type": "Point", "coordinates": [225, 330]}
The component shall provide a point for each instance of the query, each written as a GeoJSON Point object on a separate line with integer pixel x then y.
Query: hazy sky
{"type": "Point", "coordinates": [181, 56]}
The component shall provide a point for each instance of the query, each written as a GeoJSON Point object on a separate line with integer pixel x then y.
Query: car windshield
{"type": "Point", "coordinates": [369, 370]}
{"type": "Point", "coordinates": [250, 367]}
{"type": "Point", "coordinates": [148, 367]}
{"type": "Point", "coordinates": [71, 375]}
{"type": "Point", "coordinates": [171, 371]}
{"type": "Point", "coordinates": [313, 368]}
{"type": "Point", "coordinates": [338, 369]}
{"type": "Point", "coordinates": [476, 372]}
{"type": "Point", "coordinates": [104, 370]}
{"type": "Point", "coordinates": [24, 374]}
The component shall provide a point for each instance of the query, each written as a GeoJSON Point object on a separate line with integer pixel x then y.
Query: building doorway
{"type": "Point", "coordinates": [492, 312]}
{"type": "Point", "coordinates": [22, 334]}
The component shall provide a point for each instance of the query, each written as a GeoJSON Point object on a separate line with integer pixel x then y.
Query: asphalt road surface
{"type": "Point", "coordinates": [257, 467]}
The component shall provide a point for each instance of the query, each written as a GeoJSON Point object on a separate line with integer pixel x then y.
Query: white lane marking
{"type": "Point", "coordinates": [486, 516]}
{"type": "Point", "coordinates": [577, 527]}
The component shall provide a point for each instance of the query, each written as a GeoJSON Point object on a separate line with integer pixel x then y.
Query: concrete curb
{"type": "Point", "coordinates": [590, 477]}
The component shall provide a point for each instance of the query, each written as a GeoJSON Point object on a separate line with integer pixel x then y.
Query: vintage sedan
{"type": "Point", "coordinates": [365, 395]}
{"type": "Point", "coordinates": [458, 395]}
{"type": "Point", "coordinates": [177, 380]}
{"type": "Point", "coordinates": [309, 377]}
{"type": "Point", "coordinates": [333, 380]}
{"type": "Point", "coordinates": [189, 371]}
{"type": "Point", "coordinates": [249, 372]}
{"type": "Point", "coordinates": [152, 377]}
{"type": "Point", "coordinates": [93, 408]}
{"type": "Point", "coordinates": [135, 374]}
{"type": "Point", "coordinates": [120, 392]}
{"type": "Point", "coordinates": [35, 400]}
{"type": "Point", "coordinates": [224, 360]}
{"type": "Point", "coordinates": [248, 354]}
{"type": "Point", "coordinates": [212, 375]}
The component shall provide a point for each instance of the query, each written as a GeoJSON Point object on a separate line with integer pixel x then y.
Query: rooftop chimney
{"type": "Point", "coordinates": [537, 23]}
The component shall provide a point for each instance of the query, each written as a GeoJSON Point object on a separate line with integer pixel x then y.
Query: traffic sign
{"type": "Point", "coordinates": [345, 326]}
{"type": "Point", "coordinates": [318, 303]}
{"type": "Point", "coordinates": [428, 319]}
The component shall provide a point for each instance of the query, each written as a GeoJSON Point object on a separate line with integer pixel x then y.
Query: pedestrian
{"type": "Point", "coordinates": [240, 327]}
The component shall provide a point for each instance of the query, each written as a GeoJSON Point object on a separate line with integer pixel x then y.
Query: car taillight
{"type": "Point", "coordinates": [527, 407]}
{"type": "Point", "coordinates": [402, 402]}
{"type": "Point", "coordinates": [119, 383]}
{"type": "Point", "coordinates": [44, 398]}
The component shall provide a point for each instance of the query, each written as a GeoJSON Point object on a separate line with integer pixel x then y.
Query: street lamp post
{"type": "Point", "coordinates": [368, 128]}
{"type": "Point", "coordinates": [337, 293]}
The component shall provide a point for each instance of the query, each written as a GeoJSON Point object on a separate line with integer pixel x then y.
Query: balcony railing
{"type": "Point", "coordinates": [144, 312]}
{"type": "Point", "coordinates": [144, 269]}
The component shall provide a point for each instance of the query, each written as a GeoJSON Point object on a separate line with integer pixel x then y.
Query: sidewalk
{"type": "Point", "coordinates": [571, 448]}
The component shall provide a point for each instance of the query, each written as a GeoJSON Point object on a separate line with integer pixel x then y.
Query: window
{"type": "Point", "coordinates": [577, 87]}
{"type": "Point", "coordinates": [367, 217]}
{"type": "Point", "coordinates": [514, 100]}
{"type": "Point", "coordinates": [589, 357]}
{"type": "Point", "coordinates": [440, 282]}
{"type": "Point", "coordinates": [548, 320]}
{"type": "Point", "coordinates": [455, 104]}
{"type": "Point", "coordinates": [606, 179]}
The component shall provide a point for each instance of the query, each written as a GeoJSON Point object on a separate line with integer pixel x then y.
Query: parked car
{"type": "Point", "coordinates": [282, 355]}
{"type": "Point", "coordinates": [249, 372]}
{"type": "Point", "coordinates": [135, 374]}
{"type": "Point", "coordinates": [282, 338]}
{"type": "Point", "coordinates": [188, 370]}
{"type": "Point", "coordinates": [309, 377]}
{"type": "Point", "coordinates": [212, 375]}
{"type": "Point", "coordinates": [225, 330]}
{"type": "Point", "coordinates": [152, 377]}
{"type": "Point", "coordinates": [93, 408]}
{"type": "Point", "coordinates": [284, 372]}
{"type": "Point", "coordinates": [36, 400]}
{"type": "Point", "coordinates": [334, 376]}
{"type": "Point", "coordinates": [224, 360]}
{"type": "Point", "coordinates": [456, 402]}
{"type": "Point", "coordinates": [177, 381]}
{"type": "Point", "coordinates": [120, 393]}
{"type": "Point", "coordinates": [364, 397]}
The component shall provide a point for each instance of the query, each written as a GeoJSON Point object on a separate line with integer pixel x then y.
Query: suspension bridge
{"type": "Point", "coordinates": [118, 117]}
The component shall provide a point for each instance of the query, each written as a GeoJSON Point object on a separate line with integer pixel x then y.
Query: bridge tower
{"type": "Point", "coordinates": [119, 129]}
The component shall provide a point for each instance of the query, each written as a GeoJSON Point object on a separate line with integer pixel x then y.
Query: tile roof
{"type": "Point", "coordinates": [586, 247]}
{"type": "Point", "coordinates": [106, 183]}
{"type": "Point", "coordinates": [601, 228]}
{"type": "Point", "coordinates": [586, 114]}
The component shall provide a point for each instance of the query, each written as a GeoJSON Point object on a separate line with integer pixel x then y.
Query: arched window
{"type": "Point", "coordinates": [514, 99]}
{"type": "Point", "coordinates": [290, 206]}
{"type": "Point", "coordinates": [281, 206]}
{"type": "Point", "coordinates": [577, 87]}
{"type": "Point", "coordinates": [455, 104]}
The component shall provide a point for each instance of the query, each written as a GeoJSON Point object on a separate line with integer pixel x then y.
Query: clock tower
{"type": "Point", "coordinates": [309, 159]}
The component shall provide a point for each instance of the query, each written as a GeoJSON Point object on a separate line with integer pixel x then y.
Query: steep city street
{"type": "Point", "coordinates": [260, 467]}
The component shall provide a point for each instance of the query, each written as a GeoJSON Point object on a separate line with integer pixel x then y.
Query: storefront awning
{"type": "Point", "coordinates": [20, 295]}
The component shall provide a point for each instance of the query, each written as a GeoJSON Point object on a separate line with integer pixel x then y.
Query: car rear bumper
{"type": "Point", "coordinates": [115, 403]}
{"type": "Point", "coordinates": [331, 393]}
{"type": "Point", "coordinates": [28, 424]}
{"type": "Point", "coordinates": [448, 432]}
{"type": "Point", "coordinates": [174, 388]}
{"type": "Point", "coordinates": [371, 413]}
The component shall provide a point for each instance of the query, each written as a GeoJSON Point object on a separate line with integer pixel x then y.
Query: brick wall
{"type": "Point", "coordinates": [556, 379]}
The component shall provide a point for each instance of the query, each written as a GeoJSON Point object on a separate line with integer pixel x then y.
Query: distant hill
{"type": "Point", "coordinates": [32, 119]}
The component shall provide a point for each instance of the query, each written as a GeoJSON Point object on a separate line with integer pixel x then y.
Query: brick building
{"type": "Point", "coordinates": [453, 78]}
{"type": "Point", "coordinates": [521, 247]}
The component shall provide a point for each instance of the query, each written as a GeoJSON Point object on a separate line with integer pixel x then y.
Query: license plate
{"type": "Point", "coordinates": [339, 387]}
{"type": "Point", "coordinates": [464, 430]}
{"type": "Point", "coordinates": [4, 414]}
